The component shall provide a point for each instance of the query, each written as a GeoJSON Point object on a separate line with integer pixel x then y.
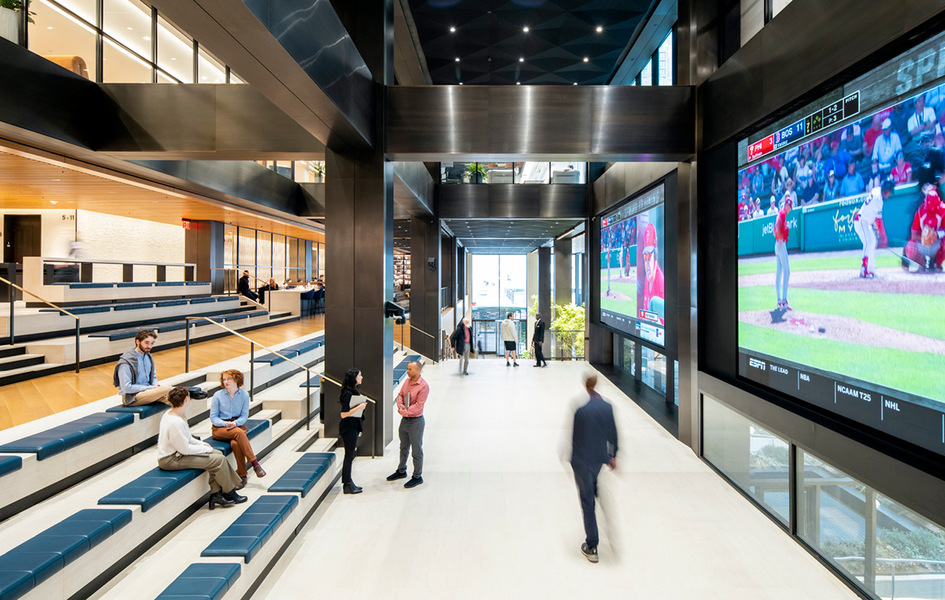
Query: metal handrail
{"type": "Point", "coordinates": [59, 308]}
{"type": "Point", "coordinates": [893, 562]}
{"type": "Point", "coordinates": [432, 337]}
{"type": "Point", "coordinates": [252, 351]}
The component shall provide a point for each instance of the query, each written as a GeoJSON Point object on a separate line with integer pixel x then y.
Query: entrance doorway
{"type": "Point", "coordinates": [22, 236]}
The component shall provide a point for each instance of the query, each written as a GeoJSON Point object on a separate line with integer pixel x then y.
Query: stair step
{"type": "Point", "coordinates": [24, 373]}
{"type": "Point", "coordinates": [9, 363]}
{"type": "Point", "coordinates": [12, 351]}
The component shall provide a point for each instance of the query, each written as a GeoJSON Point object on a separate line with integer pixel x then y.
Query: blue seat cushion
{"type": "Point", "coordinates": [169, 283]}
{"type": "Point", "coordinates": [304, 474]}
{"type": "Point", "coordinates": [78, 286]}
{"type": "Point", "coordinates": [42, 556]}
{"type": "Point", "coordinates": [247, 535]}
{"type": "Point", "coordinates": [134, 306]}
{"type": "Point", "coordinates": [69, 435]}
{"type": "Point", "coordinates": [202, 580]}
{"type": "Point", "coordinates": [228, 298]}
{"type": "Point", "coordinates": [202, 300]}
{"type": "Point", "coordinates": [196, 283]}
{"type": "Point", "coordinates": [315, 381]}
{"type": "Point", "coordinates": [171, 303]}
{"type": "Point", "coordinates": [253, 428]}
{"type": "Point", "coordinates": [8, 464]}
{"type": "Point", "coordinates": [135, 284]}
{"type": "Point", "coordinates": [151, 488]}
{"type": "Point", "coordinates": [81, 310]}
{"type": "Point", "coordinates": [142, 410]}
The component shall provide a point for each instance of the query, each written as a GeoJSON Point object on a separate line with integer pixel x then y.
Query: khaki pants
{"type": "Point", "coordinates": [222, 476]}
{"type": "Point", "coordinates": [242, 450]}
{"type": "Point", "coordinates": [156, 394]}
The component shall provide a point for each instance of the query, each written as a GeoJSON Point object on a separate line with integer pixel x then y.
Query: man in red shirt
{"type": "Point", "coordinates": [653, 285]}
{"type": "Point", "coordinates": [413, 395]}
{"type": "Point", "coordinates": [783, 271]}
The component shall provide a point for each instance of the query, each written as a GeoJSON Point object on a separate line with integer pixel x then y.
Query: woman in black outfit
{"type": "Point", "coordinates": [350, 427]}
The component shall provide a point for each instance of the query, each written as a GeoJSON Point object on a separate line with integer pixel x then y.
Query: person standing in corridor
{"type": "Point", "coordinates": [537, 339]}
{"type": "Point", "coordinates": [413, 395]}
{"type": "Point", "coordinates": [461, 341]}
{"type": "Point", "coordinates": [510, 338]}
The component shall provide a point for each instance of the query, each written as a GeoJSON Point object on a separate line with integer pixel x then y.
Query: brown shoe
{"type": "Point", "coordinates": [260, 472]}
{"type": "Point", "coordinates": [241, 484]}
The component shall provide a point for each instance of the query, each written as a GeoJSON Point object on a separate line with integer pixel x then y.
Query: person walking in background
{"type": "Point", "coordinates": [135, 375]}
{"type": "Point", "coordinates": [461, 340]}
{"type": "Point", "coordinates": [593, 444]}
{"type": "Point", "coordinates": [413, 395]}
{"type": "Point", "coordinates": [510, 337]}
{"type": "Point", "coordinates": [242, 287]}
{"type": "Point", "coordinates": [229, 410]}
{"type": "Point", "coordinates": [537, 339]}
{"type": "Point", "coordinates": [351, 426]}
{"type": "Point", "coordinates": [177, 450]}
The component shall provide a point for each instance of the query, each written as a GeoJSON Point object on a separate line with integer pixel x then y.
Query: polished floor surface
{"type": "Point", "coordinates": [29, 400]}
{"type": "Point", "coordinates": [498, 515]}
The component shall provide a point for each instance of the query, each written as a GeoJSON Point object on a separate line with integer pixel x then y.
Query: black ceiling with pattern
{"type": "Point", "coordinates": [493, 49]}
{"type": "Point", "coordinates": [507, 236]}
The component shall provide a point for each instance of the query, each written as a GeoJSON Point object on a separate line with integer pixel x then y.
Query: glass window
{"type": "Point", "coordinates": [229, 245]}
{"type": "Point", "coordinates": [247, 248]}
{"type": "Point", "coordinates": [567, 172]}
{"type": "Point", "coordinates": [284, 168]}
{"type": "Point", "coordinates": [532, 172]}
{"type": "Point", "coordinates": [235, 79]}
{"type": "Point", "coordinates": [753, 458]}
{"type": "Point", "coordinates": [175, 51]}
{"type": "Point", "coordinates": [653, 370]}
{"type": "Point", "coordinates": [121, 66]}
{"type": "Point", "coordinates": [209, 69]}
{"type": "Point", "coordinates": [129, 22]}
{"type": "Point", "coordinates": [777, 6]}
{"type": "Point", "coordinates": [628, 363]}
{"type": "Point", "coordinates": [664, 60]}
{"type": "Point", "coordinates": [454, 172]}
{"type": "Point", "coordinates": [310, 171]}
{"type": "Point", "coordinates": [910, 550]}
{"type": "Point", "coordinates": [485, 286]}
{"type": "Point", "coordinates": [498, 172]}
{"type": "Point", "coordinates": [646, 75]}
{"type": "Point", "coordinates": [752, 19]}
{"type": "Point", "coordinates": [84, 9]}
{"type": "Point", "coordinates": [278, 257]}
{"type": "Point", "coordinates": [63, 39]}
{"type": "Point", "coordinates": [264, 255]}
{"type": "Point", "coordinates": [321, 260]}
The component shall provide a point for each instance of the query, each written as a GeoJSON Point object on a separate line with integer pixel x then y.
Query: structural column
{"type": "Point", "coordinates": [544, 292]}
{"type": "Point", "coordinates": [425, 268]}
{"type": "Point", "coordinates": [203, 246]}
{"type": "Point", "coordinates": [563, 271]}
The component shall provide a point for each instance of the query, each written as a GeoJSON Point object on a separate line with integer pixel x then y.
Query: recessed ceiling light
{"type": "Point", "coordinates": [600, 29]}
{"type": "Point", "coordinates": [49, 28]}
{"type": "Point", "coordinates": [521, 59]}
{"type": "Point", "coordinates": [518, 83]}
{"type": "Point", "coordinates": [457, 59]}
{"type": "Point", "coordinates": [460, 83]}
{"type": "Point", "coordinates": [575, 83]}
{"type": "Point", "coordinates": [452, 30]}
{"type": "Point", "coordinates": [586, 59]}
{"type": "Point", "coordinates": [54, 202]}
{"type": "Point", "coordinates": [146, 38]}
{"type": "Point", "coordinates": [131, 29]}
{"type": "Point", "coordinates": [525, 29]}
{"type": "Point", "coordinates": [173, 58]}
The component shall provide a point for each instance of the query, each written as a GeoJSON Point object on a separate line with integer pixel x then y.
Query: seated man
{"type": "Point", "coordinates": [242, 287]}
{"type": "Point", "coordinates": [135, 375]}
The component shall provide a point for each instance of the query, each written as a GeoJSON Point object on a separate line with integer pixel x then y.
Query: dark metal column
{"type": "Point", "coordinates": [563, 271]}
{"type": "Point", "coordinates": [544, 292]}
{"type": "Point", "coordinates": [425, 263]}
{"type": "Point", "coordinates": [359, 246]}
{"type": "Point", "coordinates": [203, 245]}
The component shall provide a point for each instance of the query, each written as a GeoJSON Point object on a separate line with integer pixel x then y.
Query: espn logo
{"type": "Point", "coordinates": [756, 363]}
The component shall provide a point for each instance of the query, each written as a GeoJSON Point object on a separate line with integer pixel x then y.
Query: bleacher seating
{"type": "Point", "coordinates": [253, 528]}
{"type": "Point", "coordinates": [152, 487]}
{"type": "Point", "coordinates": [304, 474]}
{"type": "Point", "coordinates": [400, 371]}
{"type": "Point", "coordinates": [8, 464]}
{"type": "Point", "coordinates": [290, 351]}
{"type": "Point", "coordinates": [36, 560]}
{"type": "Point", "coordinates": [64, 437]}
{"type": "Point", "coordinates": [253, 428]}
{"type": "Point", "coordinates": [202, 581]}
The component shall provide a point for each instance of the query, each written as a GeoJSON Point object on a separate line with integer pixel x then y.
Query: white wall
{"type": "Point", "coordinates": [110, 237]}
{"type": "Point", "coordinates": [58, 229]}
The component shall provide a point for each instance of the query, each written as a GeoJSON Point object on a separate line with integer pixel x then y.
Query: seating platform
{"type": "Point", "coordinates": [253, 428]}
{"type": "Point", "coordinates": [8, 464]}
{"type": "Point", "coordinates": [38, 559]}
{"type": "Point", "coordinates": [152, 487]}
{"type": "Point", "coordinates": [290, 351]}
{"type": "Point", "coordinates": [304, 474]}
{"type": "Point", "coordinates": [64, 437]}
{"type": "Point", "coordinates": [202, 581]}
{"type": "Point", "coordinates": [253, 528]}
{"type": "Point", "coordinates": [400, 371]}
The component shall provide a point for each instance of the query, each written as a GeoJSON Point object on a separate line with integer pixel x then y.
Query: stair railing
{"type": "Point", "coordinates": [12, 329]}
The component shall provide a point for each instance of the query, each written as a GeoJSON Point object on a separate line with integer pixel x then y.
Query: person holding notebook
{"type": "Point", "coordinates": [413, 395]}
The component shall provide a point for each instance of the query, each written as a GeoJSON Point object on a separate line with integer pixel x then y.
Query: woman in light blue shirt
{"type": "Point", "coordinates": [229, 410]}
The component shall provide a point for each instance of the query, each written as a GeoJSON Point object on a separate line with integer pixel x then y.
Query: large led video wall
{"type": "Point", "coordinates": [632, 295]}
{"type": "Point", "coordinates": [841, 293]}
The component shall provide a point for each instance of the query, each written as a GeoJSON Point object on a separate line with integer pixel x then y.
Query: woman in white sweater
{"type": "Point", "coordinates": [178, 450]}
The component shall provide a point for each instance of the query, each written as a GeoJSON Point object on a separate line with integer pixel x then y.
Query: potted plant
{"type": "Point", "coordinates": [476, 173]}
{"type": "Point", "coordinates": [318, 170]}
{"type": "Point", "coordinates": [10, 19]}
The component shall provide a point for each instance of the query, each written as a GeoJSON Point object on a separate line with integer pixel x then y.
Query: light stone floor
{"type": "Point", "coordinates": [498, 515]}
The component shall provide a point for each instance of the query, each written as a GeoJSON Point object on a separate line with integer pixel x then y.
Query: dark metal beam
{"type": "Point", "coordinates": [540, 123]}
{"type": "Point", "coordinates": [512, 200]}
{"type": "Point", "coordinates": [413, 189]}
{"type": "Point", "coordinates": [298, 54]}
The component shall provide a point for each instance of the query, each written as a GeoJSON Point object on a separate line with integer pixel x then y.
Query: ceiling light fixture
{"type": "Point", "coordinates": [575, 83]}
{"type": "Point", "coordinates": [521, 59]}
{"type": "Point", "coordinates": [525, 29]}
{"type": "Point", "coordinates": [586, 59]}
{"type": "Point", "coordinates": [457, 59]}
{"type": "Point", "coordinates": [518, 83]}
{"type": "Point", "coordinates": [600, 29]}
{"type": "Point", "coordinates": [452, 30]}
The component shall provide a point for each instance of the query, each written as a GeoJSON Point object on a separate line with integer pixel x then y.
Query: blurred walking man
{"type": "Point", "coordinates": [593, 444]}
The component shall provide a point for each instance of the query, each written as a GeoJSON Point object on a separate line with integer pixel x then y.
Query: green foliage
{"type": "Point", "coordinates": [568, 329]}
{"type": "Point", "coordinates": [770, 456]}
{"type": "Point", "coordinates": [18, 5]}
{"type": "Point", "coordinates": [918, 543]}
{"type": "Point", "coordinates": [476, 172]}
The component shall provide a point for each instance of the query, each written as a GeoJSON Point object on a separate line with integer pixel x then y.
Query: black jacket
{"type": "Point", "coordinates": [242, 286]}
{"type": "Point", "coordinates": [539, 335]}
{"type": "Point", "coordinates": [349, 399]}
{"type": "Point", "coordinates": [458, 339]}
{"type": "Point", "coordinates": [594, 439]}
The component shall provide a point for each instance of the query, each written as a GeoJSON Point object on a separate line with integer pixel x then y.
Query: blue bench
{"type": "Point", "coordinates": [81, 310]}
{"type": "Point", "coordinates": [39, 558]}
{"type": "Point", "coordinates": [135, 284]}
{"type": "Point", "coordinates": [151, 488]}
{"type": "Point", "coordinates": [170, 283]}
{"type": "Point", "coordinates": [244, 315]}
{"type": "Point", "coordinates": [304, 474]}
{"type": "Point", "coordinates": [291, 351]}
{"type": "Point", "coordinates": [87, 285]}
{"type": "Point", "coordinates": [196, 283]}
{"type": "Point", "coordinates": [253, 428]}
{"type": "Point", "coordinates": [59, 439]}
{"type": "Point", "coordinates": [202, 581]}
{"type": "Point", "coordinates": [171, 303]}
{"type": "Point", "coordinates": [135, 306]}
{"type": "Point", "coordinates": [8, 464]}
{"type": "Point", "coordinates": [247, 535]}
{"type": "Point", "coordinates": [316, 381]}
{"type": "Point", "coordinates": [202, 300]}
{"type": "Point", "coordinates": [142, 410]}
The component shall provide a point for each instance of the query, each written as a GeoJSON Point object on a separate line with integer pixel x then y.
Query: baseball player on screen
{"type": "Point", "coordinates": [871, 211]}
{"type": "Point", "coordinates": [783, 271]}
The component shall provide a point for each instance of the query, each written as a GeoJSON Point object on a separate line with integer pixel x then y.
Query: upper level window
{"type": "Point", "coordinates": [646, 75]}
{"type": "Point", "coordinates": [664, 61]}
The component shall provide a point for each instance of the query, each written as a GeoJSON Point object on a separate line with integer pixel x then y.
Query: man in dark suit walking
{"type": "Point", "coordinates": [537, 339]}
{"type": "Point", "coordinates": [593, 444]}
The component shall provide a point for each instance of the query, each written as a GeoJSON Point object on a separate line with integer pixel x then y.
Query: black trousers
{"type": "Point", "coordinates": [585, 476]}
{"type": "Point", "coordinates": [350, 440]}
{"type": "Point", "coordinates": [539, 357]}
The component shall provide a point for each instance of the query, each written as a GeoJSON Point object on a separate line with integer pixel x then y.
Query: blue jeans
{"type": "Point", "coordinates": [585, 476]}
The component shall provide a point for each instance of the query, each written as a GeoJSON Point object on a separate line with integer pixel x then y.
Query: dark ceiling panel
{"type": "Point", "coordinates": [507, 236]}
{"type": "Point", "coordinates": [489, 39]}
